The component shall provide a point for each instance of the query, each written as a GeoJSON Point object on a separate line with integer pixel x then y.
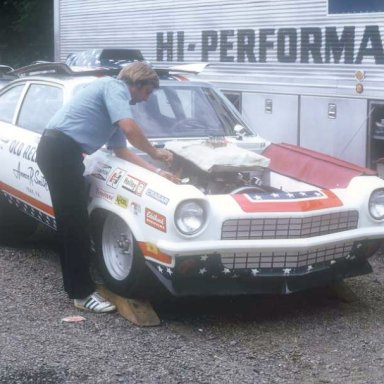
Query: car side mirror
{"type": "Point", "coordinates": [240, 131]}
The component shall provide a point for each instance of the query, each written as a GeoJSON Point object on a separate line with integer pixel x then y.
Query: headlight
{"type": "Point", "coordinates": [376, 204]}
{"type": "Point", "coordinates": [190, 217]}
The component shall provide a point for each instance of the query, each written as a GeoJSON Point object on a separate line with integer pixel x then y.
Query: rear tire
{"type": "Point", "coordinates": [119, 259]}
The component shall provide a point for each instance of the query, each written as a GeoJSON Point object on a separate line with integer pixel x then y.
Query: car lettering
{"type": "Point", "coordinates": [34, 176]}
{"type": "Point", "coordinates": [16, 147]}
{"type": "Point", "coordinates": [30, 153]}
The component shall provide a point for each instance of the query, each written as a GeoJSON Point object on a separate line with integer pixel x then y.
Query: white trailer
{"type": "Point", "coordinates": [307, 72]}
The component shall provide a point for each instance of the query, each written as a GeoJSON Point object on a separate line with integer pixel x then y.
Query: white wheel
{"type": "Point", "coordinates": [120, 261]}
{"type": "Point", "coordinates": [117, 247]}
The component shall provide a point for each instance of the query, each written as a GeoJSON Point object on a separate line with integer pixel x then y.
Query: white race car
{"type": "Point", "coordinates": [246, 216]}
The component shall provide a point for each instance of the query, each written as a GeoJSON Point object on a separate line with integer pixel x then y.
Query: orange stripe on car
{"type": "Point", "coordinates": [28, 199]}
{"type": "Point", "coordinates": [150, 250]}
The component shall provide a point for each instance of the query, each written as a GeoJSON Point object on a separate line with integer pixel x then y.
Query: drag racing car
{"type": "Point", "coordinates": [242, 215]}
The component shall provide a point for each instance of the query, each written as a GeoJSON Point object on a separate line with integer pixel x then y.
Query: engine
{"type": "Point", "coordinates": [218, 168]}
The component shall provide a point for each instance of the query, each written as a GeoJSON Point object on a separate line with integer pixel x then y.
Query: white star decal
{"type": "Point", "coordinates": [309, 268]}
{"type": "Point", "coordinates": [255, 272]}
{"type": "Point", "coordinates": [169, 270]}
{"type": "Point", "coordinates": [287, 271]}
{"type": "Point", "coordinates": [202, 271]}
{"type": "Point", "coordinates": [204, 258]}
{"type": "Point", "coordinates": [333, 262]}
{"type": "Point", "coordinates": [226, 271]}
{"type": "Point", "coordinates": [160, 269]}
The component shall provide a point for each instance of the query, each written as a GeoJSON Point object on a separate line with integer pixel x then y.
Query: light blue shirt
{"type": "Point", "coordinates": [90, 117]}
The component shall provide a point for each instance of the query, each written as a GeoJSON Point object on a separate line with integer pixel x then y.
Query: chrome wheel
{"type": "Point", "coordinates": [117, 247]}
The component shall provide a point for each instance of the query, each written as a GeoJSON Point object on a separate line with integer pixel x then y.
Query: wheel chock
{"type": "Point", "coordinates": [138, 312]}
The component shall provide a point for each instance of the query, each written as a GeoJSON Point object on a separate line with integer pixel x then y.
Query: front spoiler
{"type": "Point", "coordinates": [198, 276]}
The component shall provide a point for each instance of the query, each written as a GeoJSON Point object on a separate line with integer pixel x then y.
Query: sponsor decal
{"type": "Point", "coordinates": [155, 220]}
{"type": "Point", "coordinates": [157, 196]}
{"type": "Point", "coordinates": [104, 194]}
{"type": "Point", "coordinates": [121, 201]}
{"type": "Point", "coordinates": [115, 178]}
{"type": "Point", "coordinates": [136, 208]}
{"type": "Point", "coordinates": [134, 185]}
{"type": "Point", "coordinates": [26, 151]}
{"type": "Point", "coordinates": [32, 175]}
{"type": "Point", "coordinates": [101, 171]}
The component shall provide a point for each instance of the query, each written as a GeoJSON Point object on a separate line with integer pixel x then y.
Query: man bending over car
{"type": "Point", "coordinates": [97, 115]}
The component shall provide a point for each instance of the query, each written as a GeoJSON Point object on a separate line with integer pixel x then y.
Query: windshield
{"type": "Point", "coordinates": [182, 111]}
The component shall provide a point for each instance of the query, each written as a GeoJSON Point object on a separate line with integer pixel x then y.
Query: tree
{"type": "Point", "coordinates": [26, 31]}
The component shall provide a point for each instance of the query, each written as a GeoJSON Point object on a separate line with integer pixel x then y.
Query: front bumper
{"type": "Point", "coordinates": [184, 248]}
{"type": "Point", "coordinates": [210, 274]}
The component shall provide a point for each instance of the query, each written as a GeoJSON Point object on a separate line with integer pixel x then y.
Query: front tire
{"type": "Point", "coordinates": [119, 259]}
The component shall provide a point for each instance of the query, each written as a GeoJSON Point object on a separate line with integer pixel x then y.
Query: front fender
{"type": "Point", "coordinates": [126, 214]}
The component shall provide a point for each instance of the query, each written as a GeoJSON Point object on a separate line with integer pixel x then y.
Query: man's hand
{"type": "Point", "coordinates": [163, 155]}
{"type": "Point", "coordinates": [168, 175]}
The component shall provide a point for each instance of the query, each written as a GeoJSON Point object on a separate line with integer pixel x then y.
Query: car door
{"type": "Point", "coordinates": [10, 100]}
{"type": "Point", "coordinates": [23, 180]}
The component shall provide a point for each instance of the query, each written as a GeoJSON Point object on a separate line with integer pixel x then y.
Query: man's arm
{"type": "Point", "coordinates": [136, 137]}
{"type": "Point", "coordinates": [126, 154]}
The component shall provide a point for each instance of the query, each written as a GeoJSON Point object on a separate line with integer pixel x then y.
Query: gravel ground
{"type": "Point", "coordinates": [301, 338]}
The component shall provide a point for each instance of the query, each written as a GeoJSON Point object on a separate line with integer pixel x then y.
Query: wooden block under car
{"type": "Point", "coordinates": [138, 312]}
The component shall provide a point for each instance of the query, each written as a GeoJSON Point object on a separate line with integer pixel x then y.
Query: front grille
{"type": "Point", "coordinates": [289, 228]}
{"type": "Point", "coordinates": [290, 259]}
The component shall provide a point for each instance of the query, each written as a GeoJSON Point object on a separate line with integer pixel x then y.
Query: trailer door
{"type": "Point", "coordinates": [335, 126]}
{"type": "Point", "coordinates": [272, 116]}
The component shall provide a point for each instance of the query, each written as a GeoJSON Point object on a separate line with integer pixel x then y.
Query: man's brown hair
{"type": "Point", "coordinates": [139, 74]}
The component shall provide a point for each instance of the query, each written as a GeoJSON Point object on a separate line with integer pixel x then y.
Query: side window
{"type": "Point", "coordinates": [8, 103]}
{"type": "Point", "coordinates": [40, 104]}
{"type": "Point", "coordinates": [234, 98]}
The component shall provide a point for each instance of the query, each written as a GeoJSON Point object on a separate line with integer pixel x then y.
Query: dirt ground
{"type": "Point", "coordinates": [309, 337]}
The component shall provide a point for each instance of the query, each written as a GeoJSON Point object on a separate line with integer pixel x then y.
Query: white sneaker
{"type": "Point", "coordinates": [95, 303]}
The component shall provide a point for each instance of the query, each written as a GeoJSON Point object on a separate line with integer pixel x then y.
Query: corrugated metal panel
{"type": "Point", "coordinates": [137, 23]}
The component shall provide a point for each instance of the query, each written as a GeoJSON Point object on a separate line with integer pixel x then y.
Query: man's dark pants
{"type": "Point", "coordinates": [61, 160]}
